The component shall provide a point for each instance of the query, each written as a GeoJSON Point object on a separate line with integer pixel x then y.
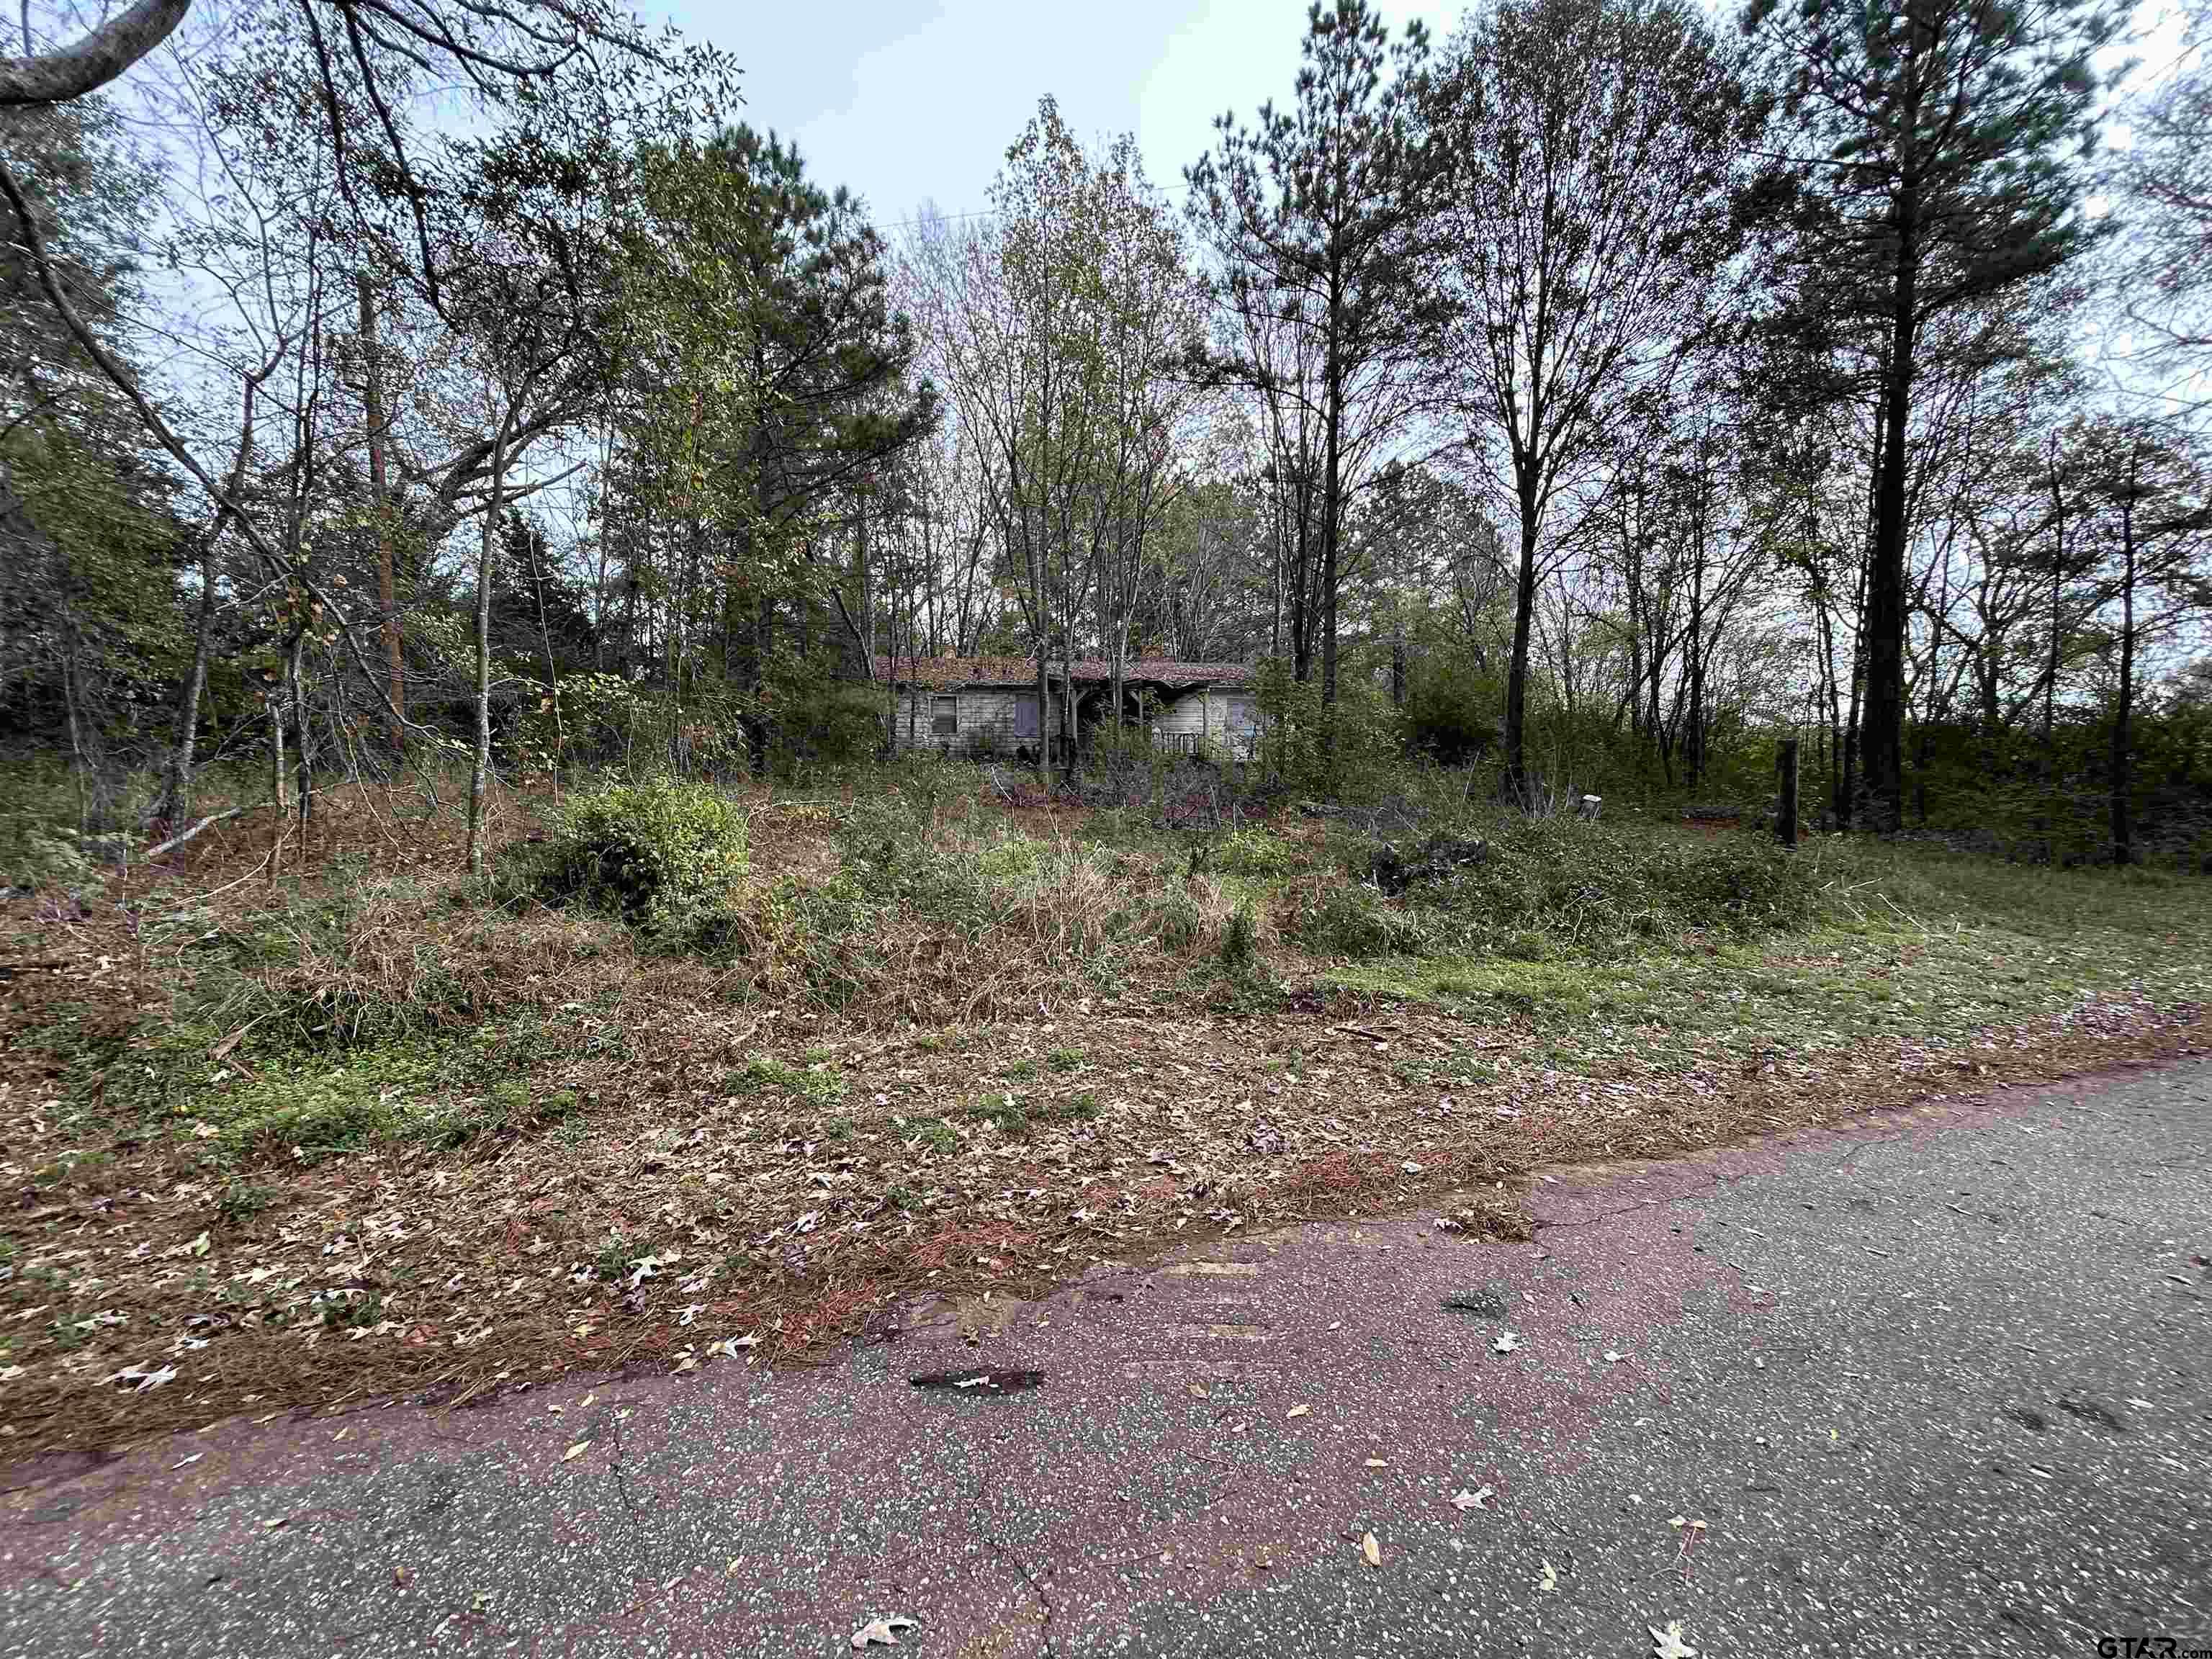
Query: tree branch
{"type": "Point", "coordinates": [86, 65]}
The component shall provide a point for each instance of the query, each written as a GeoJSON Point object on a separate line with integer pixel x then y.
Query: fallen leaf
{"type": "Point", "coordinates": [1410, 1168]}
{"type": "Point", "coordinates": [1372, 1550]}
{"type": "Point", "coordinates": [881, 1632]}
{"type": "Point", "coordinates": [144, 1378]}
{"type": "Point", "coordinates": [1667, 1644]}
{"type": "Point", "coordinates": [1299, 1411]}
{"type": "Point", "coordinates": [1506, 1343]}
{"type": "Point", "coordinates": [1614, 1359]}
{"type": "Point", "coordinates": [1464, 1500]}
{"type": "Point", "coordinates": [575, 1451]}
{"type": "Point", "coordinates": [731, 1572]}
{"type": "Point", "coordinates": [1550, 1581]}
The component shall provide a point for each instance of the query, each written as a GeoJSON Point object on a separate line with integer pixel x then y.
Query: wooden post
{"type": "Point", "coordinates": [1785, 820]}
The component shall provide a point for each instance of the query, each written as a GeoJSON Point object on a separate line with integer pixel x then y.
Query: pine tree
{"type": "Point", "coordinates": [1322, 212]}
{"type": "Point", "coordinates": [1938, 158]}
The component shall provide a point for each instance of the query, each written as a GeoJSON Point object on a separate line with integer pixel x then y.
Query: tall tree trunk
{"type": "Point", "coordinates": [1516, 669]}
{"type": "Point", "coordinates": [2052, 657]}
{"type": "Point", "coordinates": [539, 579]}
{"type": "Point", "coordinates": [1882, 745]}
{"type": "Point", "coordinates": [1332, 529]}
{"type": "Point", "coordinates": [176, 800]}
{"type": "Point", "coordinates": [1847, 795]}
{"type": "Point", "coordinates": [387, 587]}
{"type": "Point", "coordinates": [297, 693]}
{"type": "Point", "coordinates": [1071, 714]}
{"type": "Point", "coordinates": [480, 774]}
{"type": "Point", "coordinates": [80, 762]}
{"type": "Point", "coordinates": [2123, 755]}
{"type": "Point", "coordinates": [1694, 743]}
{"type": "Point", "coordinates": [1044, 714]}
{"type": "Point", "coordinates": [272, 702]}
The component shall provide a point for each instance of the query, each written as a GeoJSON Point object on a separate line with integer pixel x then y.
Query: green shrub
{"type": "Point", "coordinates": [39, 854]}
{"type": "Point", "coordinates": [815, 721]}
{"type": "Point", "coordinates": [1349, 749]}
{"type": "Point", "coordinates": [1568, 882]}
{"type": "Point", "coordinates": [1240, 938]}
{"type": "Point", "coordinates": [1073, 1109]}
{"type": "Point", "coordinates": [1255, 853]}
{"type": "Point", "coordinates": [1351, 919]}
{"type": "Point", "coordinates": [1451, 709]}
{"type": "Point", "coordinates": [1178, 919]}
{"type": "Point", "coordinates": [241, 1201]}
{"type": "Point", "coordinates": [657, 853]}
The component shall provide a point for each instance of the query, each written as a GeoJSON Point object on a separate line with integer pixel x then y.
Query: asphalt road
{"type": "Point", "coordinates": [1941, 1383]}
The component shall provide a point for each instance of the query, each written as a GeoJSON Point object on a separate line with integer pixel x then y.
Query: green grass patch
{"type": "Point", "coordinates": [935, 1135]}
{"type": "Point", "coordinates": [817, 1083]}
{"type": "Point", "coordinates": [1913, 944]}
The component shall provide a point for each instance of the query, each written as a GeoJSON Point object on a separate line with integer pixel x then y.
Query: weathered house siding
{"type": "Point", "coordinates": [990, 719]}
{"type": "Point", "coordinates": [1203, 709]}
{"type": "Point", "coordinates": [1211, 722]}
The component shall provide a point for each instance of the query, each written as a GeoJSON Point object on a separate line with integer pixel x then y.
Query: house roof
{"type": "Point", "coordinates": [947, 671]}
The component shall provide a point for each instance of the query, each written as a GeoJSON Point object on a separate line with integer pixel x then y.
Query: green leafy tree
{"type": "Point", "coordinates": [1595, 143]}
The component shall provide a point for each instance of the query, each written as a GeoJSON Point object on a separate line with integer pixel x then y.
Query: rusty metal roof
{"type": "Point", "coordinates": [947, 672]}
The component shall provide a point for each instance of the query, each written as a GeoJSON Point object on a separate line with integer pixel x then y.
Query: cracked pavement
{"type": "Point", "coordinates": [1937, 1380]}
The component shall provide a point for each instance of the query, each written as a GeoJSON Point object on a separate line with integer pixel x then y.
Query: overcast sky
{"type": "Point", "coordinates": [916, 100]}
{"type": "Point", "coordinates": [910, 101]}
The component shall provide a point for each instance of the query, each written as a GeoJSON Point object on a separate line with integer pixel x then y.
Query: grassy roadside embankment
{"type": "Point", "coordinates": [373, 1129]}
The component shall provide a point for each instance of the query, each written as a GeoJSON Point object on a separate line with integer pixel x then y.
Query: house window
{"type": "Point", "coordinates": [944, 717]}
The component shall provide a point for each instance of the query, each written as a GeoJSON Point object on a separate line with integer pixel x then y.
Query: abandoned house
{"type": "Point", "coordinates": [988, 705]}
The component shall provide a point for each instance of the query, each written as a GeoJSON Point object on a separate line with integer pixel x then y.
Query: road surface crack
{"type": "Point", "coordinates": [1013, 1557]}
{"type": "Point", "coordinates": [621, 1477]}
